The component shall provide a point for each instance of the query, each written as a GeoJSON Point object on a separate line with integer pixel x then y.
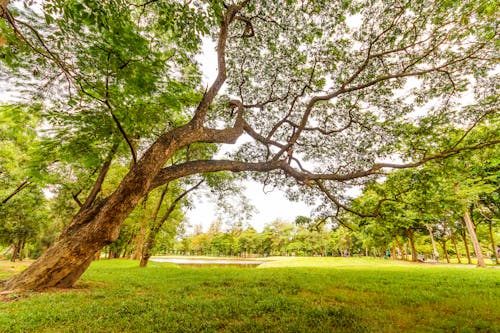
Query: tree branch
{"type": "Point", "coordinates": [175, 202]}
{"type": "Point", "coordinates": [100, 180]}
{"type": "Point", "coordinates": [211, 93]}
{"type": "Point", "coordinates": [18, 189]}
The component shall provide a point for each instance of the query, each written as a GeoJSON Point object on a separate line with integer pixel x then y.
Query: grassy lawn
{"type": "Point", "coordinates": [284, 295]}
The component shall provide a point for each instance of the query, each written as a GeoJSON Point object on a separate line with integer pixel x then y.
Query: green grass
{"type": "Point", "coordinates": [296, 295]}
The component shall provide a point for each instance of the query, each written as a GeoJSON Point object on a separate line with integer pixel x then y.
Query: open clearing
{"type": "Point", "coordinates": [282, 295]}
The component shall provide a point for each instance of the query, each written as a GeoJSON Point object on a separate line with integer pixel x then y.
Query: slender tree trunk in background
{"type": "Point", "coordinates": [22, 244]}
{"type": "Point", "coordinates": [435, 254]}
{"type": "Point", "coordinates": [128, 249]}
{"type": "Point", "coordinates": [454, 241]}
{"type": "Point", "coordinates": [398, 244]}
{"type": "Point", "coordinates": [15, 252]}
{"type": "Point", "coordinates": [492, 239]}
{"type": "Point", "coordinates": [141, 235]}
{"type": "Point", "coordinates": [473, 237]}
{"type": "Point", "coordinates": [148, 244]}
{"type": "Point", "coordinates": [467, 252]}
{"type": "Point", "coordinates": [445, 251]}
{"type": "Point", "coordinates": [414, 257]}
{"type": "Point", "coordinates": [156, 227]}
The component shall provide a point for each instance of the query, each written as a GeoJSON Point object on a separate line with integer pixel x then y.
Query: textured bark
{"type": "Point", "coordinates": [473, 237]}
{"type": "Point", "coordinates": [15, 252]}
{"type": "Point", "coordinates": [3, 8]}
{"type": "Point", "coordinates": [97, 226]}
{"type": "Point", "coordinates": [148, 246]}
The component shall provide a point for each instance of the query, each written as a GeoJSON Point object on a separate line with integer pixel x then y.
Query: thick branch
{"type": "Point", "coordinates": [212, 92]}
{"type": "Point", "coordinates": [205, 166]}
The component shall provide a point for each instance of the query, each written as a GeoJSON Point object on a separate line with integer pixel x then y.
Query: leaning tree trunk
{"type": "Point", "coordinates": [97, 226]}
{"type": "Point", "coordinates": [151, 235]}
{"type": "Point", "coordinates": [473, 237]}
{"type": "Point", "coordinates": [148, 247]}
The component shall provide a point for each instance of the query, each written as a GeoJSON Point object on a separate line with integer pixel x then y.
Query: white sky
{"type": "Point", "coordinates": [269, 206]}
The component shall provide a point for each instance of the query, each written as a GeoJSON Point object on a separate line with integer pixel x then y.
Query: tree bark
{"type": "Point", "coordinates": [467, 252]}
{"type": "Point", "coordinates": [435, 254]}
{"type": "Point", "coordinates": [473, 237]}
{"type": "Point", "coordinates": [141, 235]}
{"type": "Point", "coordinates": [155, 229]}
{"type": "Point", "coordinates": [410, 235]}
{"type": "Point", "coordinates": [454, 241]}
{"type": "Point", "coordinates": [443, 243]}
{"type": "Point", "coordinates": [15, 252]}
{"type": "Point", "coordinates": [492, 239]}
{"type": "Point", "coordinates": [99, 225]}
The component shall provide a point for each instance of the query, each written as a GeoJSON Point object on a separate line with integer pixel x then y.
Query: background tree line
{"type": "Point", "coordinates": [410, 212]}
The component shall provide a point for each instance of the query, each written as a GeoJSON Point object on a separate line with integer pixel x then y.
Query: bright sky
{"type": "Point", "coordinates": [269, 206]}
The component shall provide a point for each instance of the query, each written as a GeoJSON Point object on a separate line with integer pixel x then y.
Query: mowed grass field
{"type": "Point", "coordinates": [283, 295]}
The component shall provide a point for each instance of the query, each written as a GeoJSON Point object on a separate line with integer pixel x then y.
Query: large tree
{"type": "Point", "coordinates": [324, 93]}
